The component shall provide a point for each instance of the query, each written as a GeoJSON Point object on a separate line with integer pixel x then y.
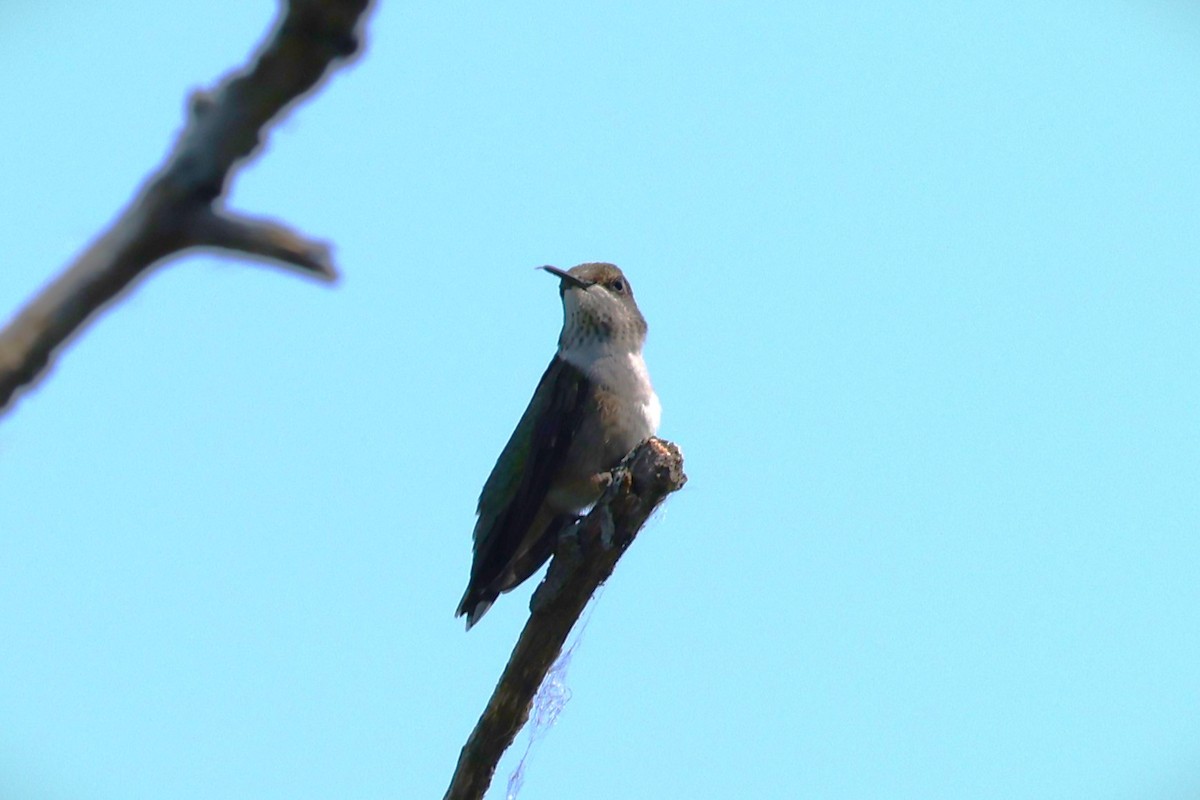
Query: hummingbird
{"type": "Point", "coordinates": [592, 406]}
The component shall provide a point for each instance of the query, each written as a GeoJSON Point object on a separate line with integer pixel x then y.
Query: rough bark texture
{"type": "Point", "coordinates": [179, 207]}
{"type": "Point", "coordinates": [582, 561]}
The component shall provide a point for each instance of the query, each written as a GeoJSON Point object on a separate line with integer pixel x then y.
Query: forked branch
{"type": "Point", "coordinates": [179, 207]}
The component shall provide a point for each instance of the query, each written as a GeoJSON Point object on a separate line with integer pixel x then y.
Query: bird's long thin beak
{"type": "Point", "coordinates": [567, 277]}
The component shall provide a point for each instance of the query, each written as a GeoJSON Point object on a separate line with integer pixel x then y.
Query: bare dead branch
{"type": "Point", "coordinates": [262, 238]}
{"type": "Point", "coordinates": [178, 208]}
{"type": "Point", "coordinates": [582, 561]}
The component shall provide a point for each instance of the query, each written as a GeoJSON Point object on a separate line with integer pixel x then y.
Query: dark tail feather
{"type": "Point", "coordinates": [478, 599]}
{"type": "Point", "coordinates": [475, 604]}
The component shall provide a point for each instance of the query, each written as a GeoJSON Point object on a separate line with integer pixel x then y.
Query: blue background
{"type": "Point", "coordinates": [922, 287]}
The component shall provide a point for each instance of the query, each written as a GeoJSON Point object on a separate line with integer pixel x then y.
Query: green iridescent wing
{"type": "Point", "coordinates": [517, 487]}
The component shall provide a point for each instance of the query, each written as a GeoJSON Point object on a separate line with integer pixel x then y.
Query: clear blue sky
{"type": "Point", "coordinates": [923, 295]}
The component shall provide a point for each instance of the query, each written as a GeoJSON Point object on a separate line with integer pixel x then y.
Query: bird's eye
{"type": "Point", "coordinates": [618, 285]}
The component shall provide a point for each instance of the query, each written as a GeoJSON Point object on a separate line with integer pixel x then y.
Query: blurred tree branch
{"type": "Point", "coordinates": [583, 559]}
{"type": "Point", "coordinates": [180, 206]}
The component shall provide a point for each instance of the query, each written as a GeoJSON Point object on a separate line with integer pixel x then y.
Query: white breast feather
{"type": "Point", "coordinates": [650, 406]}
{"type": "Point", "coordinates": [652, 411]}
{"type": "Point", "coordinates": [625, 374]}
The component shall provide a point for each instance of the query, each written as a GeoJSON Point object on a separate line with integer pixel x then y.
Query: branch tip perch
{"type": "Point", "coordinates": [179, 207]}
{"type": "Point", "coordinates": [583, 559]}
